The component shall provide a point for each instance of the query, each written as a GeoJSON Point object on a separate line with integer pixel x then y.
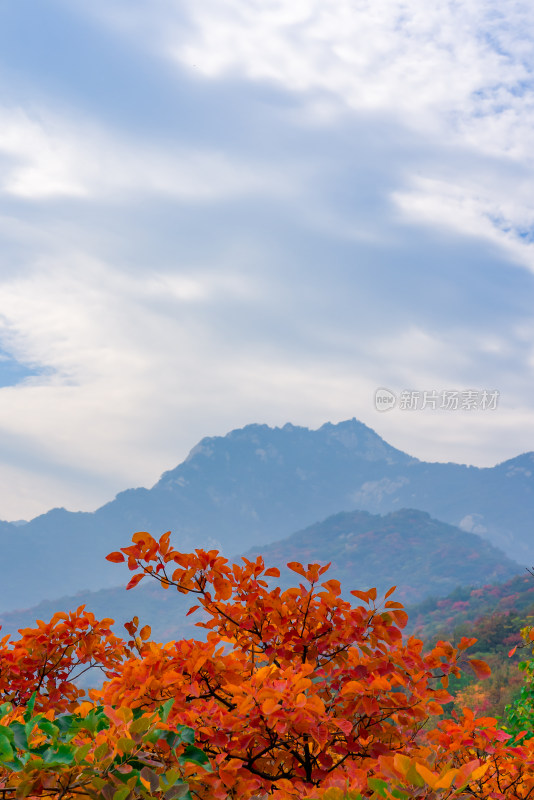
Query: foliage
{"type": "Point", "coordinates": [97, 752]}
{"type": "Point", "coordinates": [495, 616]}
{"type": "Point", "coordinates": [294, 694]}
{"type": "Point", "coordinates": [519, 720]}
{"type": "Point", "coordinates": [438, 616]}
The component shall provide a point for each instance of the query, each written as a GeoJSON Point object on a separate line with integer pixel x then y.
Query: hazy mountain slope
{"type": "Point", "coordinates": [436, 616]}
{"type": "Point", "coordinates": [407, 548]}
{"type": "Point", "coordinates": [259, 484]}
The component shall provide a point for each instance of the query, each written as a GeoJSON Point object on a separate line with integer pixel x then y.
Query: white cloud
{"type": "Point", "coordinates": [504, 218]}
{"type": "Point", "coordinates": [458, 73]}
{"type": "Point", "coordinates": [142, 369]}
{"type": "Point", "coordinates": [50, 156]}
{"type": "Point", "coordinates": [448, 64]}
{"type": "Point", "coordinates": [264, 277]}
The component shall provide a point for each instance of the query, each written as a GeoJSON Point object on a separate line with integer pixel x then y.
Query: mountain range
{"type": "Point", "coordinates": [423, 557]}
{"type": "Point", "coordinates": [257, 485]}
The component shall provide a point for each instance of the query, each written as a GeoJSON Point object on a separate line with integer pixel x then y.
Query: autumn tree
{"type": "Point", "coordinates": [294, 691]}
{"type": "Point", "coordinates": [292, 694]}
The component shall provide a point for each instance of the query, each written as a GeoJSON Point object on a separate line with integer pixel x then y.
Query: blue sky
{"type": "Point", "coordinates": [239, 211]}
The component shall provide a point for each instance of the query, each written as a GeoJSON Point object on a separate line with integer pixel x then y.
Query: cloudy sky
{"type": "Point", "coordinates": [231, 211]}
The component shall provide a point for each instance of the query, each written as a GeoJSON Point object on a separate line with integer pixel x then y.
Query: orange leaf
{"type": "Point", "coordinates": [135, 580]}
{"type": "Point", "coordinates": [333, 586]}
{"type": "Point", "coordinates": [389, 591]}
{"type": "Point", "coordinates": [294, 566]}
{"type": "Point", "coordinates": [512, 651]}
{"type": "Point", "coordinates": [361, 595]}
{"type": "Point", "coordinates": [427, 775]}
{"type": "Point", "coordinates": [480, 668]}
{"type": "Point", "coordinates": [164, 542]}
{"type": "Point", "coordinates": [269, 705]}
{"type": "Point", "coordinates": [401, 618]}
{"type": "Point", "coordinates": [145, 632]}
{"type": "Point", "coordinates": [446, 779]}
{"type": "Point", "coordinates": [272, 572]}
{"type": "Point", "coordinates": [466, 642]}
{"type": "Point", "coordinates": [115, 557]}
{"type": "Point", "coordinates": [141, 536]}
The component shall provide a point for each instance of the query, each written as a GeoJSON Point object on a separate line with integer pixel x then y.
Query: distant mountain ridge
{"type": "Point", "coordinates": [420, 555]}
{"type": "Point", "coordinates": [259, 484]}
{"type": "Point", "coordinates": [408, 549]}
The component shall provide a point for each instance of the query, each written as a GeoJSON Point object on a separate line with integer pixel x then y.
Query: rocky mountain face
{"type": "Point", "coordinates": [257, 485]}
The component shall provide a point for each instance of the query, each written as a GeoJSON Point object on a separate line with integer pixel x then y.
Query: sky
{"type": "Point", "coordinates": [228, 212]}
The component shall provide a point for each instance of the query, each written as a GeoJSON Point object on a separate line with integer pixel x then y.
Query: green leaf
{"type": "Point", "coordinates": [48, 727]}
{"type": "Point", "coordinates": [6, 751]}
{"type": "Point", "coordinates": [64, 754]}
{"type": "Point", "coordinates": [100, 751]}
{"type": "Point", "coordinates": [81, 752]}
{"type": "Point", "coordinates": [186, 734]}
{"type": "Point", "coordinates": [400, 795]}
{"type": "Point", "coordinates": [141, 725]}
{"type": "Point", "coordinates": [165, 709]}
{"type": "Point", "coordinates": [7, 732]}
{"type": "Point", "coordinates": [122, 794]}
{"type": "Point", "coordinates": [194, 755]}
{"type": "Point", "coordinates": [66, 723]}
{"type": "Point", "coordinates": [378, 786]}
{"type": "Point", "coordinates": [29, 708]}
{"type": "Point", "coordinates": [19, 735]}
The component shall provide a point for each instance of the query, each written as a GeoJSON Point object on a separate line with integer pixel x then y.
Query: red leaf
{"type": "Point", "coordinates": [512, 651]}
{"type": "Point", "coordinates": [344, 725]}
{"type": "Point", "coordinates": [135, 580]}
{"type": "Point", "coordinates": [116, 557]}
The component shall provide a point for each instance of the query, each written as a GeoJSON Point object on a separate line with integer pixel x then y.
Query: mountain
{"type": "Point", "coordinates": [420, 555]}
{"type": "Point", "coordinates": [408, 549]}
{"type": "Point", "coordinates": [256, 485]}
{"type": "Point", "coordinates": [436, 617]}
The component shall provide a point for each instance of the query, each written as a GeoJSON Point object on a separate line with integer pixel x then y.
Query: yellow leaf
{"type": "Point", "coordinates": [446, 779]}
{"type": "Point", "coordinates": [479, 771]}
{"type": "Point", "coordinates": [427, 775]}
{"type": "Point", "coordinates": [402, 763]}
